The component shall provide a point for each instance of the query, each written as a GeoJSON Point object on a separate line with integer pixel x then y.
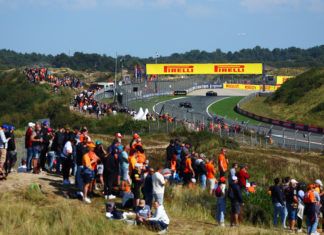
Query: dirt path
{"type": "Point", "coordinates": [50, 184]}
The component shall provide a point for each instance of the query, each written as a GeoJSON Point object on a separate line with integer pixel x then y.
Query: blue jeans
{"type": "Point", "coordinates": [50, 160]}
{"type": "Point", "coordinates": [78, 178]}
{"type": "Point", "coordinates": [311, 228]}
{"type": "Point", "coordinates": [279, 210]}
{"type": "Point", "coordinates": [220, 210]}
{"type": "Point", "coordinates": [203, 180]}
{"type": "Point", "coordinates": [285, 214]}
{"type": "Point", "coordinates": [29, 158]}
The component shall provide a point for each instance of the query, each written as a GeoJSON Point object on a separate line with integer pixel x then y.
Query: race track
{"type": "Point", "coordinates": [199, 112]}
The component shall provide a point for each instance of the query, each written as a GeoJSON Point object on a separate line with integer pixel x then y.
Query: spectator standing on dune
{"type": "Point", "coordinates": [37, 140]}
{"type": "Point", "coordinates": [277, 198]}
{"type": "Point", "coordinates": [158, 183]}
{"type": "Point", "coordinates": [11, 150]}
{"type": "Point", "coordinates": [222, 162]}
{"type": "Point", "coordinates": [28, 145]}
{"type": "Point", "coordinates": [88, 161]}
{"type": "Point", "coordinates": [3, 149]}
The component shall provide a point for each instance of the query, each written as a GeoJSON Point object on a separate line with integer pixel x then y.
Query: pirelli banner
{"type": "Point", "coordinates": [249, 87]}
{"type": "Point", "coordinates": [176, 69]}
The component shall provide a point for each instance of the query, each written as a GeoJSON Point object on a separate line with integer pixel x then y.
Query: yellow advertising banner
{"type": "Point", "coordinates": [282, 79]}
{"type": "Point", "coordinates": [169, 69]}
{"type": "Point", "coordinates": [249, 87]}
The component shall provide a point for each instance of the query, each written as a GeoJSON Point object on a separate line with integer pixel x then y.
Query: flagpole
{"type": "Point", "coordinates": [115, 78]}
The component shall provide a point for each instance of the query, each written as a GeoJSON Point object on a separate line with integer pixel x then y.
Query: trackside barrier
{"type": "Point", "coordinates": [285, 124]}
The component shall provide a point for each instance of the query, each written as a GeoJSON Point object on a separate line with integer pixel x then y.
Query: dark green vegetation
{"type": "Point", "coordinates": [22, 102]}
{"type": "Point", "coordinates": [226, 108]}
{"type": "Point", "coordinates": [300, 99]}
{"type": "Point", "coordinates": [290, 57]}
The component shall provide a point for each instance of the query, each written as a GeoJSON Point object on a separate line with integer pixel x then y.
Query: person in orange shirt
{"type": "Point", "coordinates": [188, 172]}
{"type": "Point", "coordinates": [211, 172]}
{"type": "Point", "coordinates": [310, 209]}
{"type": "Point", "coordinates": [88, 161]}
{"type": "Point", "coordinates": [140, 155]}
{"type": "Point", "coordinates": [222, 162]}
{"type": "Point", "coordinates": [173, 162]}
{"type": "Point", "coordinates": [132, 161]}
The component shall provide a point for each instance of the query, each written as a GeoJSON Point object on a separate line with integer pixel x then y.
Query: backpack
{"type": "Point", "coordinates": [218, 191]}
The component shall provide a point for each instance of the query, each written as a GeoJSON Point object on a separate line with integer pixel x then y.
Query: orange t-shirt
{"type": "Point", "coordinates": [310, 197]}
{"type": "Point", "coordinates": [222, 162]}
{"type": "Point", "coordinates": [173, 165]}
{"type": "Point", "coordinates": [188, 165]}
{"type": "Point", "coordinates": [132, 161]}
{"type": "Point", "coordinates": [210, 170]}
{"type": "Point", "coordinates": [87, 158]}
{"type": "Point", "coordinates": [141, 157]}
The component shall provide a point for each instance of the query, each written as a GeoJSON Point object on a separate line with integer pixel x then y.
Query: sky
{"type": "Point", "coordinates": [145, 28]}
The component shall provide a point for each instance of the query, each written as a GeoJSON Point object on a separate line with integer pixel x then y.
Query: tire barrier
{"type": "Point", "coordinates": [285, 124]}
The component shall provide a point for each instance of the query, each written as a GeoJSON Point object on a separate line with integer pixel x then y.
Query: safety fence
{"type": "Point", "coordinates": [285, 124]}
{"type": "Point", "coordinates": [262, 134]}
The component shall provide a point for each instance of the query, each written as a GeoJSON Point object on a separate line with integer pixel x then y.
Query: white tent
{"type": "Point", "coordinates": [139, 115]}
{"type": "Point", "coordinates": [144, 115]}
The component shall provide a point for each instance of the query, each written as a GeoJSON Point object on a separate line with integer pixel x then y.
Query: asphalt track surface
{"type": "Point", "coordinates": [199, 111]}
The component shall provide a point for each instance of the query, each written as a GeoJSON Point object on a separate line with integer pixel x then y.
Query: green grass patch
{"type": "Point", "coordinates": [226, 108]}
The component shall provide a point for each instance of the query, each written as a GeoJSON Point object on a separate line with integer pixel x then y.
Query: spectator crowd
{"type": "Point", "coordinates": [123, 170]}
{"type": "Point", "coordinates": [42, 74]}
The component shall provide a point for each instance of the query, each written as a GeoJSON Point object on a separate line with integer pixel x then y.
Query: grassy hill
{"type": "Point", "coordinates": [28, 210]}
{"type": "Point", "coordinates": [22, 102]}
{"type": "Point", "coordinates": [300, 100]}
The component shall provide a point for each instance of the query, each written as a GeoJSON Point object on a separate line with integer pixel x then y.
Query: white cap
{"type": "Point", "coordinates": [293, 181]}
{"type": "Point", "coordinates": [234, 178]}
{"type": "Point", "coordinates": [319, 182]}
{"type": "Point", "coordinates": [31, 124]}
{"type": "Point", "coordinates": [193, 180]}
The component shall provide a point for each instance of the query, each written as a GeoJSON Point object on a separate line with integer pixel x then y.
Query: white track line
{"type": "Point", "coordinates": [178, 98]}
{"type": "Point", "coordinates": [214, 103]}
{"type": "Point", "coordinates": [298, 140]}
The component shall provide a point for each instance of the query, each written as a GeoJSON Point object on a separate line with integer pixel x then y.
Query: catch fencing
{"type": "Point", "coordinates": [262, 134]}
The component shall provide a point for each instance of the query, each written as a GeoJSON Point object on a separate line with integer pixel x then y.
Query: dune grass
{"type": "Point", "coordinates": [28, 210]}
{"type": "Point", "coordinates": [300, 111]}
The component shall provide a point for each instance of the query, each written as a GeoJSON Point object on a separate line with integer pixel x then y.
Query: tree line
{"type": "Point", "coordinates": [288, 57]}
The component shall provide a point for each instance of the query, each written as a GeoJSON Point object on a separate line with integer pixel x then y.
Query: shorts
{"type": "Point", "coordinates": [36, 153]}
{"type": "Point", "coordinates": [292, 212]}
{"type": "Point", "coordinates": [136, 191]}
{"type": "Point", "coordinates": [3, 154]}
{"type": "Point", "coordinates": [123, 174]}
{"type": "Point", "coordinates": [100, 169]}
{"type": "Point", "coordinates": [235, 207]}
{"type": "Point", "coordinates": [87, 175]}
{"type": "Point", "coordinates": [211, 183]}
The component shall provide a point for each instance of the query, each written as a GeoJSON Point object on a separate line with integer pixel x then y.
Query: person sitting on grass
{"type": "Point", "coordinates": [23, 167]}
{"type": "Point", "coordinates": [143, 212]}
{"type": "Point", "coordinates": [160, 220]}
